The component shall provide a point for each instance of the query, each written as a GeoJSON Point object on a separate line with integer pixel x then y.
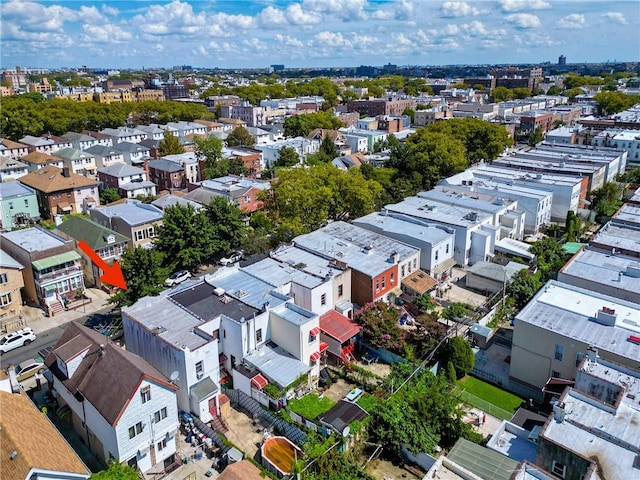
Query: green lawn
{"type": "Point", "coordinates": [310, 406]}
{"type": "Point", "coordinates": [494, 395]}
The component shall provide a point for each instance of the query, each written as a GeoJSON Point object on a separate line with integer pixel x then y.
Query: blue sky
{"type": "Point", "coordinates": [315, 33]}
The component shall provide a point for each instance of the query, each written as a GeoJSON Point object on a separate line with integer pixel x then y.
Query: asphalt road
{"type": "Point", "coordinates": [48, 339]}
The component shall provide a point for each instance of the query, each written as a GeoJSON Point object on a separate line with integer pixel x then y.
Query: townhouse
{"type": "Point", "coordinates": [130, 181]}
{"type": "Point", "coordinates": [108, 244]}
{"type": "Point", "coordinates": [122, 408]}
{"type": "Point", "coordinates": [135, 220]}
{"type": "Point", "coordinates": [11, 282]}
{"type": "Point", "coordinates": [38, 160]}
{"type": "Point", "coordinates": [271, 151]}
{"type": "Point", "coordinates": [240, 191]}
{"type": "Point", "coordinates": [105, 156]}
{"type": "Point", "coordinates": [167, 175]}
{"type": "Point", "coordinates": [82, 141]}
{"type": "Point", "coordinates": [13, 150]}
{"type": "Point", "coordinates": [18, 205]}
{"type": "Point", "coordinates": [52, 272]}
{"type": "Point", "coordinates": [124, 134]}
{"type": "Point", "coordinates": [45, 144]}
{"type": "Point", "coordinates": [59, 191]}
{"type": "Point", "coordinates": [11, 169]}
{"type": "Point", "coordinates": [78, 162]}
{"type": "Point", "coordinates": [134, 153]}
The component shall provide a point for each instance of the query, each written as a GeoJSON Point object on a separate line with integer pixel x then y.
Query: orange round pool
{"type": "Point", "coordinates": [278, 454]}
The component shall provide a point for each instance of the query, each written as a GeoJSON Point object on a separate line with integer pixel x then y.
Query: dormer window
{"type": "Point", "coordinates": [145, 393]}
{"type": "Point", "coordinates": [111, 239]}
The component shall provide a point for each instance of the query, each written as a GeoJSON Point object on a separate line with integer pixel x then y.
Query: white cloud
{"type": "Point", "coordinates": [616, 17]}
{"type": "Point", "coordinates": [90, 15]}
{"type": "Point", "coordinates": [288, 41]}
{"type": "Point", "coordinates": [332, 39]}
{"type": "Point", "coordinates": [35, 17]}
{"type": "Point", "coordinates": [458, 9]}
{"type": "Point", "coordinates": [173, 18]}
{"type": "Point", "coordinates": [272, 16]}
{"type": "Point", "coordinates": [574, 21]}
{"type": "Point", "coordinates": [523, 5]}
{"type": "Point", "coordinates": [298, 16]}
{"type": "Point", "coordinates": [107, 10]}
{"type": "Point", "coordinates": [402, 39]}
{"type": "Point", "coordinates": [344, 9]}
{"type": "Point", "coordinates": [404, 10]}
{"type": "Point", "coordinates": [523, 20]}
{"type": "Point", "coordinates": [105, 33]}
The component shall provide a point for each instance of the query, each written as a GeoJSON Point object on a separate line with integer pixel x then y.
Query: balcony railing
{"type": "Point", "coordinates": [63, 272]}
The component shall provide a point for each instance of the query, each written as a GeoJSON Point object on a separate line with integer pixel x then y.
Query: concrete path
{"type": "Point", "coordinates": [36, 318]}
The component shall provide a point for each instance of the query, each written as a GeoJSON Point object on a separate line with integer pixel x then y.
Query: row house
{"type": "Point", "coordinates": [105, 156]}
{"type": "Point", "coordinates": [182, 128]}
{"type": "Point", "coordinates": [302, 146]}
{"type": "Point", "coordinates": [59, 191]}
{"type": "Point", "coordinates": [361, 140]}
{"type": "Point", "coordinates": [11, 282]}
{"type": "Point", "coordinates": [124, 134]}
{"type": "Point", "coordinates": [53, 273]}
{"type": "Point", "coordinates": [11, 169]}
{"type": "Point", "coordinates": [153, 131]}
{"type": "Point", "coordinates": [101, 138]}
{"type": "Point", "coordinates": [77, 161]}
{"type": "Point", "coordinates": [167, 175]}
{"type": "Point", "coordinates": [375, 272]}
{"type": "Point", "coordinates": [11, 149]}
{"type": "Point", "coordinates": [377, 107]}
{"type": "Point", "coordinates": [251, 159]}
{"type": "Point", "coordinates": [108, 244]}
{"type": "Point", "coordinates": [133, 153]}
{"type": "Point", "coordinates": [121, 407]}
{"type": "Point", "coordinates": [38, 160]}
{"type": "Point", "coordinates": [211, 126]}
{"type": "Point", "coordinates": [190, 164]}
{"type": "Point", "coordinates": [82, 141]}
{"type": "Point", "coordinates": [252, 116]}
{"type": "Point", "coordinates": [18, 205]}
{"type": "Point", "coordinates": [240, 191]}
{"type": "Point", "coordinates": [130, 181]}
{"type": "Point", "coordinates": [135, 220]}
{"type": "Point", "coordinates": [45, 144]}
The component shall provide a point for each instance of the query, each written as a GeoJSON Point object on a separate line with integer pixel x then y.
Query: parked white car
{"type": "Point", "coordinates": [177, 277]}
{"type": "Point", "coordinates": [16, 339]}
{"type": "Point", "coordinates": [233, 257]}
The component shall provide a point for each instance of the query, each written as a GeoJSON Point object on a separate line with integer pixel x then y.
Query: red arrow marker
{"type": "Point", "coordinates": [112, 273]}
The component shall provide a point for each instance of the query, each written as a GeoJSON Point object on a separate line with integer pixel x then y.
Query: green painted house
{"type": "Point", "coordinates": [18, 205]}
{"type": "Point", "coordinates": [108, 244]}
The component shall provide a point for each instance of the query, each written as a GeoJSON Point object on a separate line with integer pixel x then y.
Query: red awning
{"type": "Point", "coordinates": [222, 358]}
{"type": "Point", "coordinates": [314, 331]}
{"type": "Point", "coordinates": [259, 382]}
{"type": "Point", "coordinates": [315, 356]}
{"type": "Point", "coordinates": [323, 346]}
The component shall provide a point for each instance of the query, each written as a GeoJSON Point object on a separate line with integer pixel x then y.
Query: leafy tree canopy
{"type": "Point", "coordinates": [287, 157]}
{"type": "Point", "coordinates": [169, 145]}
{"type": "Point", "coordinates": [144, 273]}
{"type": "Point", "coordinates": [303, 124]}
{"type": "Point", "coordinates": [228, 223]}
{"type": "Point", "coordinates": [458, 352]}
{"type": "Point", "coordinates": [240, 136]}
{"type": "Point", "coordinates": [116, 471]}
{"type": "Point", "coordinates": [613, 102]}
{"type": "Point", "coordinates": [109, 195]}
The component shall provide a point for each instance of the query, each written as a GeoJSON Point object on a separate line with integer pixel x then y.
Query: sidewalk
{"type": "Point", "coordinates": [39, 322]}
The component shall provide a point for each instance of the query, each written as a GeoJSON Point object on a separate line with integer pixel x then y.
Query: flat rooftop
{"type": "Point", "coordinates": [280, 273]}
{"type": "Point", "coordinates": [405, 225]}
{"type": "Point", "coordinates": [621, 238]}
{"type": "Point", "coordinates": [480, 202]}
{"type": "Point", "coordinates": [132, 212]}
{"type": "Point", "coordinates": [201, 300]}
{"type": "Point", "coordinates": [513, 175]}
{"type": "Point", "coordinates": [362, 237]}
{"type": "Point", "coordinates": [525, 161]}
{"type": "Point", "coordinates": [358, 258]}
{"type": "Point", "coordinates": [249, 290]}
{"type": "Point", "coordinates": [34, 239]}
{"type": "Point", "coordinates": [294, 314]}
{"type": "Point", "coordinates": [509, 191]}
{"type": "Point", "coordinates": [430, 210]}
{"type": "Point", "coordinates": [278, 365]}
{"type": "Point", "coordinates": [604, 268]}
{"type": "Point", "coordinates": [305, 261]}
{"type": "Point", "coordinates": [570, 311]}
{"type": "Point", "coordinates": [628, 214]}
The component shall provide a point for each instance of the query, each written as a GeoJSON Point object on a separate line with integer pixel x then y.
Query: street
{"type": "Point", "coordinates": [47, 339]}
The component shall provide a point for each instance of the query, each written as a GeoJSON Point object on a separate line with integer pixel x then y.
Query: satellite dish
{"type": "Point", "coordinates": [174, 376]}
{"type": "Point", "coordinates": [346, 431]}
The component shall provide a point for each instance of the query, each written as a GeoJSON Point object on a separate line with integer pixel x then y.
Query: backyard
{"type": "Point", "coordinates": [310, 406]}
{"type": "Point", "coordinates": [485, 396]}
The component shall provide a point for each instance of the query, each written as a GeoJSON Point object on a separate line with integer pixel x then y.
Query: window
{"type": "Point", "coordinates": [139, 235]}
{"type": "Point", "coordinates": [323, 299]}
{"type": "Point", "coordinates": [447, 249]}
{"type": "Point", "coordinates": [559, 469]}
{"type": "Point", "coordinates": [437, 251]}
{"type": "Point", "coordinates": [555, 374]}
{"type": "Point", "coordinates": [579, 357]}
{"type": "Point", "coordinates": [415, 263]}
{"type": "Point", "coordinates": [559, 352]}
{"type": "Point", "coordinates": [384, 282]}
{"type": "Point", "coordinates": [3, 278]}
{"type": "Point", "coordinates": [5, 299]}
{"type": "Point", "coordinates": [200, 369]}
{"type": "Point", "coordinates": [377, 285]}
{"type": "Point", "coordinates": [258, 335]}
{"type": "Point", "coordinates": [145, 393]}
{"type": "Point", "coordinates": [135, 430]}
{"type": "Point", "coordinates": [10, 205]}
{"type": "Point", "coordinates": [162, 444]}
{"type": "Point", "coordinates": [393, 278]}
{"type": "Point", "coordinates": [160, 415]}
{"type": "Point", "coordinates": [402, 271]}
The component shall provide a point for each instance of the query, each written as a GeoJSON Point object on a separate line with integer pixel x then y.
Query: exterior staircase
{"type": "Point", "coordinates": [56, 307]}
{"type": "Point", "coordinates": [219, 425]}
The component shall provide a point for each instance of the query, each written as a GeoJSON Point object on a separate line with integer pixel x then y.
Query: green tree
{"type": "Point", "coordinates": [522, 287]}
{"type": "Point", "coordinates": [458, 351]}
{"type": "Point", "coordinates": [535, 137]}
{"type": "Point", "coordinates": [144, 273]}
{"type": "Point", "coordinates": [572, 93]}
{"type": "Point", "coordinates": [209, 150]}
{"type": "Point", "coordinates": [109, 195]}
{"type": "Point", "coordinates": [572, 226]}
{"type": "Point", "coordinates": [287, 157]}
{"type": "Point", "coordinates": [186, 237]}
{"type": "Point", "coordinates": [228, 222]}
{"type": "Point", "coordinates": [424, 303]}
{"type": "Point", "coordinates": [303, 124]}
{"type": "Point", "coordinates": [451, 373]}
{"type": "Point", "coordinates": [116, 471]}
{"type": "Point", "coordinates": [240, 136]}
{"type": "Point", "coordinates": [554, 90]}
{"type": "Point", "coordinates": [379, 323]}
{"type": "Point", "coordinates": [613, 102]}
{"type": "Point", "coordinates": [521, 92]}
{"type": "Point", "coordinates": [456, 310]}
{"type": "Point", "coordinates": [410, 112]}
{"type": "Point", "coordinates": [501, 94]}
{"type": "Point", "coordinates": [606, 200]}
{"type": "Point", "coordinates": [169, 145]}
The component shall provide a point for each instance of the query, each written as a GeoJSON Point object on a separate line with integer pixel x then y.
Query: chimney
{"type": "Point", "coordinates": [65, 172]}
{"type": "Point", "coordinates": [146, 169]}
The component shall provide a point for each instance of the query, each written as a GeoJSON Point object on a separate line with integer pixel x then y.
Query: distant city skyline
{"type": "Point", "coordinates": [314, 33]}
